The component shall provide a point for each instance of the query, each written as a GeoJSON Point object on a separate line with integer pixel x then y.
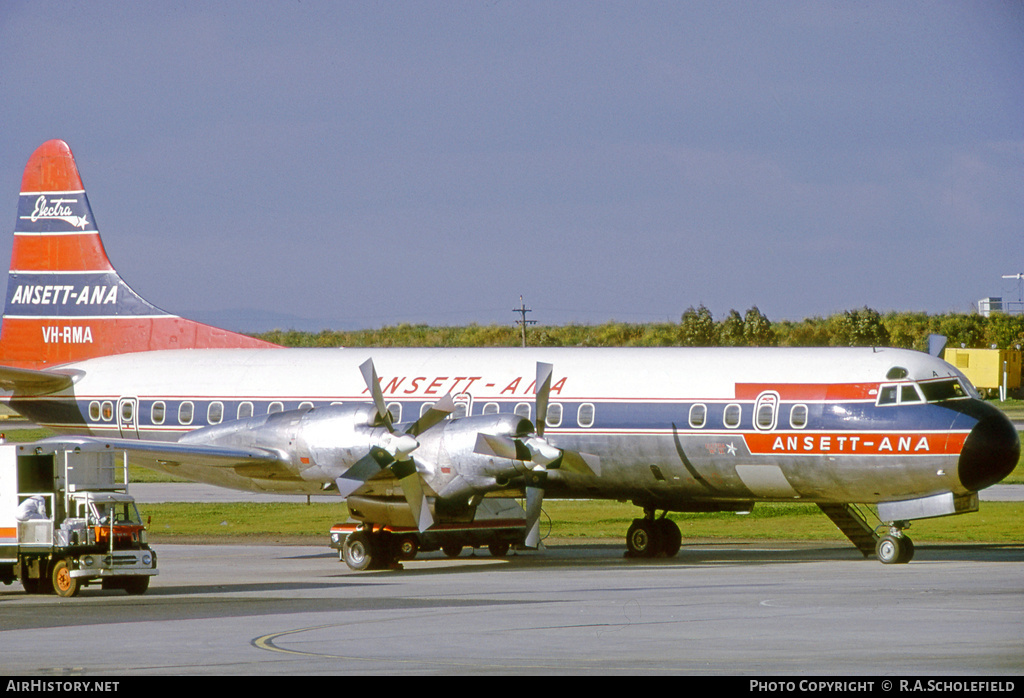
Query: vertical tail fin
{"type": "Point", "coordinates": [65, 301]}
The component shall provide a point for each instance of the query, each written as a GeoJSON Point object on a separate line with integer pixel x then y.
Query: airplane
{"type": "Point", "coordinates": [420, 437]}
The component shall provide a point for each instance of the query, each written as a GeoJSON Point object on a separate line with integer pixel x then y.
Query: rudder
{"type": "Point", "coordinates": [65, 301]}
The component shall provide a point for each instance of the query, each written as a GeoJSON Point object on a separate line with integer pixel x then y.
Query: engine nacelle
{"type": "Point", "coordinates": [453, 468]}
{"type": "Point", "coordinates": [322, 443]}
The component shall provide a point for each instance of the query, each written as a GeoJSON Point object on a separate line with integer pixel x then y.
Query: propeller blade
{"type": "Point", "coordinates": [373, 383]}
{"type": "Point", "coordinates": [582, 463]}
{"type": "Point", "coordinates": [412, 487]}
{"type": "Point", "coordinates": [501, 446]}
{"type": "Point", "coordinates": [534, 504]}
{"type": "Point", "coordinates": [543, 389]}
{"type": "Point", "coordinates": [363, 469]}
{"type": "Point", "coordinates": [435, 415]}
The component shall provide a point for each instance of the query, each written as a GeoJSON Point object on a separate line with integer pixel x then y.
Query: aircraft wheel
{"type": "Point", "coordinates": [359, 551]}
{"type": "Point", "coordinates": [63, 583]}
{"type": "Point", "coordinates": [642, 539]}
{"type": "Point", "coordinates": [908, 550]}
{"type": "Point", "coordinates": [892, 550]}
{"type": "Point", "coordinates": [499, 549]}
{"type": "Point", "coordinates": [671, 537]}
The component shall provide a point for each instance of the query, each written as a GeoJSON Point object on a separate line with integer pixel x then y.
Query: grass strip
{"type": "Point", "coordinates": [996, 522]}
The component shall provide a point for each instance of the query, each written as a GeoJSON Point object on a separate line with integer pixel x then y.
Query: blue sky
{"type": "Point", "coordinates": [370, 163]}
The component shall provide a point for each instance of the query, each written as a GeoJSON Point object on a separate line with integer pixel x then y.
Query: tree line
{"type": "Point", "coordinates": [696, 328]}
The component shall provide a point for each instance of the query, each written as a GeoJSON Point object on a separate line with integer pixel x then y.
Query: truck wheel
{"type": "Point", "coordinates": [358, 551]}
{"type": "Point", "coordinates": [499, 549]}
{"type": "Point", "coordinates": [408, 547]}
{"type": "Point", "coordinates": [63, 583]}
{"type": "Point", "coordinates": [135, 586]}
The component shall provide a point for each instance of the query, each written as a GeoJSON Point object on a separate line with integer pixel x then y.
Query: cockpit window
{"type": "Point", "coordinates": [930, 391]}
{"type": "Point", "coordinates": [908, 393]}
{"type": "Point", "coordinates": [887, 395]}
{"type": "Point", "coordinates": [949, 389]}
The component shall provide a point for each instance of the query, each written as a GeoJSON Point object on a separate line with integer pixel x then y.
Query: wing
{"type": "Point", "coordinates": [158, 454]}
{"type": "Point", "coordinates": [34, 382]}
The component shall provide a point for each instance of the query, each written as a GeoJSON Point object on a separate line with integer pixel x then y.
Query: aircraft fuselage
{"type": "Point", "coordinates": [672, 427]}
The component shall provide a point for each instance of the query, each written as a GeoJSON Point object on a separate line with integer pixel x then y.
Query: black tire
{"type": "Point", "coordinates": [908, 550]}
{"type": "Point", "coordinates": [642, 539]}
{"type": "Point", "coordinates": [407, 548]}
{"type": "Point", "coordinates": [499, 549]}
{"type": "Point", "coordinates": [451, 550]}
{"type": "Point", "coordinates": [891, 550]}
{"type": "Point", "coordinates": [671, 537]}
{"type": "Point", "coordinates": [359, 551]}
{"type": "Point", "coordinates": [135, 586]}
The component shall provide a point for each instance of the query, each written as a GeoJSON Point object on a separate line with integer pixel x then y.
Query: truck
{"type": "Point", "coordinates": [67, 520]}
{"type": "Point", "coordinates": [498, 523]}
{"type": "Point", "coordinates": [994, 372]}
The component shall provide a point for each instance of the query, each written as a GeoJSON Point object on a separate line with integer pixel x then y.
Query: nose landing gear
{"type": "Point", "coordinates": [894, 547]}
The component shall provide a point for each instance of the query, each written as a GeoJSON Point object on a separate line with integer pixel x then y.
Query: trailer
{"type": "Point", "coordinates": [994, 372]}
{"type": "Point", "coordinates": [498, 524]}
{"type": "Point", "coordinates": [67, 520]}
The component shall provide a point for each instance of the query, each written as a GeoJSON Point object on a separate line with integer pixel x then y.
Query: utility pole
{"type": "Point", "coordinates": [523, 310]}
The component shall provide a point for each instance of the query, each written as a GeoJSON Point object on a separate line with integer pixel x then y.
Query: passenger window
{"type": "Point", "coordinates": [394, 409]}
{"type": "Point", "coordinates": [94, 410]}
{"type": "Point", "coordinates": [798, 416]}
{"type": "Point", "coordinates": [215, 413]}
{"type": "Point", "coordinates": [698, 416]}
{"type": "Point", "coordinates": [307, 405]}
{"type": "Point", "coordinates": [244, 410]}
{"type": "Point", "coordinates": [157, 412]}
{"type": "Point", "coordinates": [585, 415]}
{"type": "Point", "coordinates": [108, 411]}
{"type": "Point", "coordinates": [275, 407]}
{"type": "Point", "coordinates": [425, 407]}
{"type": "Point", "coordinates": [554, 417]}
{"type": "Point", "coordinates": [127, 411]}
{"type": "Point", "coordinates": [523, 410]}
{"type": "Point", "coordinates": [732, 416]}
{"type": "Point", "coordinates": [491, 408]}
{"type": "Point", "coordinates": [463, 406]}
{"type": "Point", "coordinates": [185, 412]}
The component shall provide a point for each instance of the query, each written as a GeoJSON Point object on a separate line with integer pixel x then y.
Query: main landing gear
{"type": "Point", "coordinates": [651, 537]}
{"type": "Point", "coordinates": [894, 547]}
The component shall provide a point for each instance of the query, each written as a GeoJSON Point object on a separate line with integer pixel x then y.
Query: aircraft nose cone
{"type": "Point", "coordinates": [991, 451]}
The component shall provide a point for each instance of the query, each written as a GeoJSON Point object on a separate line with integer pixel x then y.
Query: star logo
{"type": "Point", "coordinates": [731, 449]}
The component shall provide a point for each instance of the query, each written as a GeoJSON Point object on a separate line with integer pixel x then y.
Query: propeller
{"type": "Point", "coordinates": [394, 451]}
{"type": "Point", "coordinates": [538, 451]}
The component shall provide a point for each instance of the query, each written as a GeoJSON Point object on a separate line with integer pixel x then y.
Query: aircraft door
{"type": "Point", "coordinates": [128, 417]}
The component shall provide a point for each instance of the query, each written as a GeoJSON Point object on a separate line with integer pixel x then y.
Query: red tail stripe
{"type": "Point", "coordinates": [51, 168]}
{"type": "Point", "coordinates": [58, 252]}
{"type": "Point", "coordinates": [32, 342]}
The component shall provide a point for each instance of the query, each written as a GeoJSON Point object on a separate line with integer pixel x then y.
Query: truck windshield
{"type": "Point", "coordinates": [123, 513]}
